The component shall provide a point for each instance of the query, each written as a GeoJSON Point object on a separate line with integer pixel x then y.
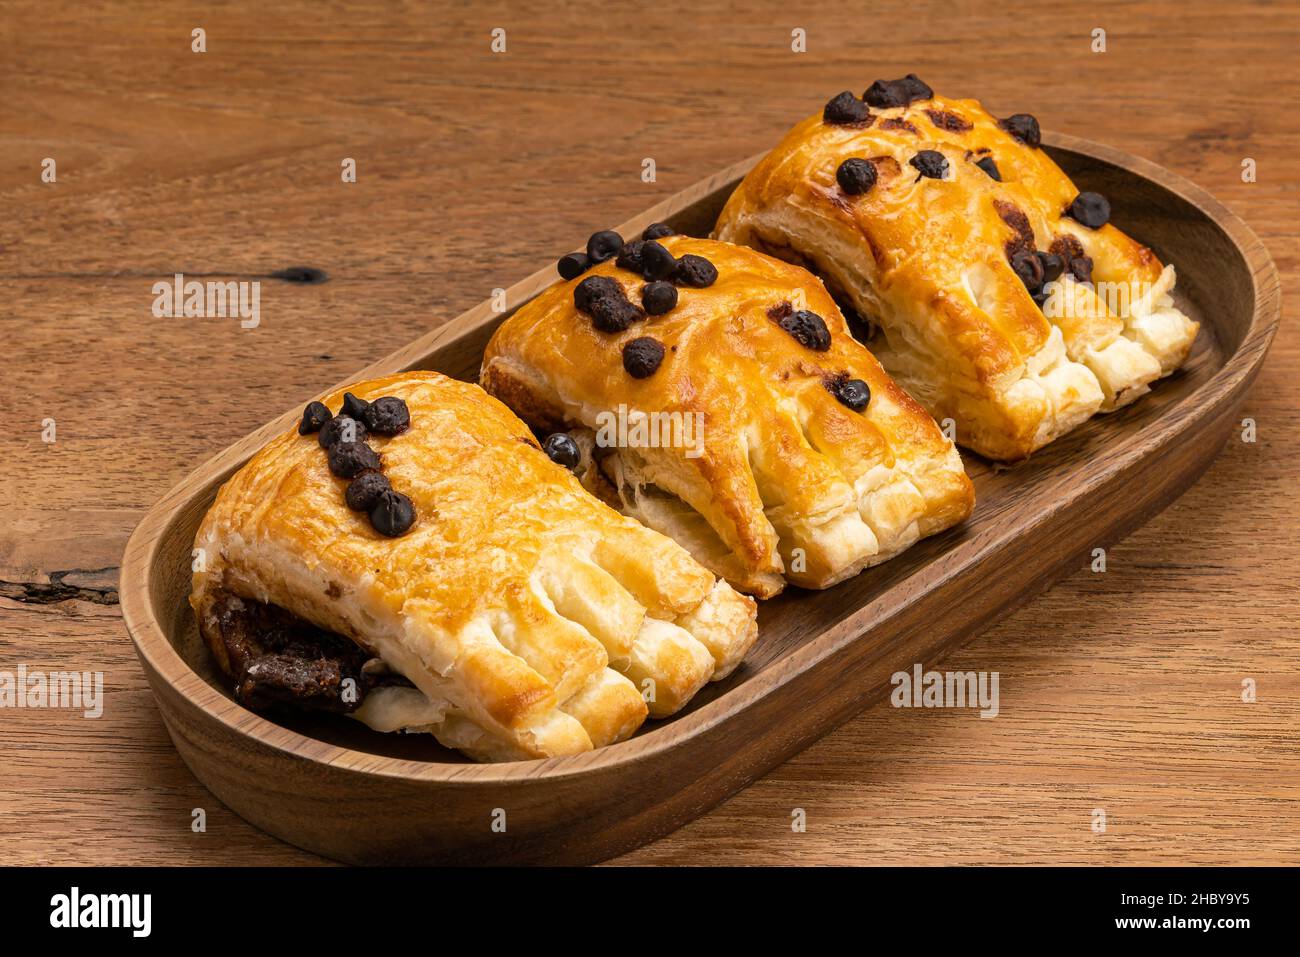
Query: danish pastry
{"type": "Point", "coordinates": [460, 583]}
{"type": "Point", "coordinates": [718, 397]}
{"type": "Point", "coordinates": [1003, 298]}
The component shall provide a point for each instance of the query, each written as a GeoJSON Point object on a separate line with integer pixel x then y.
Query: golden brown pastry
{"type": "Point", "coordinates": [722, 400]}
{"type": "Point", "coordinates": [515, 617]}
{"type": "Point", "coordinates": [975, 255]}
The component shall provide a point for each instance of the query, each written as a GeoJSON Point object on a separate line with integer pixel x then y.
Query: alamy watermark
{"type": "Point", "coordinates": [75, 909]}
{"type": "Point", "coordinates": [633, 429]}
{"type": "Point", "coordinates": [1070, 300]}
{"type": "Point", "coordinates": [53, 689]}
{"type": "Point", "coordinates": [951, 689]}
{"type": "Point", "coordinates": [209, 300]}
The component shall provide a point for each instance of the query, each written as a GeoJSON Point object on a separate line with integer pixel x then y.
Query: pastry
{"type": "Point", "coordinates": [460, 582]}
{"type": "Point", "coordinates": [719, 397]}
{"type": "Point", "coordinates": [1002, 297]}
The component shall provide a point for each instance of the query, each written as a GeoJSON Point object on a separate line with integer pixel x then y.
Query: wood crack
{"type": "Point", "coordinates": [57, 589]}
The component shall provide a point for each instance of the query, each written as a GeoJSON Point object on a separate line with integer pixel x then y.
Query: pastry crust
{"type": "Point", "coordinates": [785, 483]}
{"type": "Point", "coordinates": [927, 260]}
{"type": "Point", "coordinates": [529, 616]}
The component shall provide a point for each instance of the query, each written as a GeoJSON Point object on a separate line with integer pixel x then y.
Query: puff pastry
{"type": "Point", "coordinates": [524, 617]}
{"type": "Point", "coordinates": [787, 484]}
{"type": "Point", "coordinates": [928, 261]}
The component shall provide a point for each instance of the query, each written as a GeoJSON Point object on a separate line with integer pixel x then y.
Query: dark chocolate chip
{"type": "Point", "coordinates": [854, 393]}
{"type": "Point", "coordinates": [808, 329]}
{"type": "Point", "coordinates": [313, 417]}
{"type": "Point", "coordinates": [930, 163]}
{"type": "Point", "coordinates": [1053, 266]}
{"type": "Point", "coordinates": [1029, 268]}
{"type": "Point", "coordinates": [1081, 268]}
{"type": "Point", "coordinates": [657, 262]}
{"type": "Point", "coordinates": [604, 300]}
{"type": "Point", "coordinates": [387, 416]}
{"type": "Point", "coordinates": [695, 271]}
{"type": "Point", "coordinates": [349, 459]}
{"type": "Point", "coordinates": [341, 428]}
{"type": "Point", "coordinates": [615, 315]}
{"type": "Point", "coordinates": [593, 288]}
{"type": "Point", "coordinates": [392, 514]}
{"type": "Point", "coordinates": [603, 245]}
{"type": "Point", "coordinates": [354, 407]}
{"type": "Point", "coordinates": [987, 165]}
{"type": "Point", "coordinates": [658, 297]}
{"type": "Point", "coordinates": [562, 450]}
{"type": "Point", "coordinates": [657, 231]}
{"type": "Point", "coordinates": [856, 176]}
{"type": "Point", "coordinates": [573, 265]}
{"type": "Point", "coordinates": [629, 257]}
{"type": "Point", "coordinates": [1090, 209]}
{"type": "Point", "coordinates": [642, 357]}
{"type": "Point", "coordinates": [1024, 128]}
{"type": "Point", "coordinates": [844, 109]}
{"type": "Point", "coordinates": [884, 94]}
{"type": "Point", "coordinates": [364, 490]}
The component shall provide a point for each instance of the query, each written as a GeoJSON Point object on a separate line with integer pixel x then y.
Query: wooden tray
{"type": "Point", "coordinates": [333, 786]}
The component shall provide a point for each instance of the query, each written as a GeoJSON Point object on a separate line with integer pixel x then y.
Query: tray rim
{"type": "Point", "coordinates": [159, 657]}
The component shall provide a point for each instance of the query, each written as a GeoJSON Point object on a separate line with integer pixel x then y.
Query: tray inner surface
{"type": "Point", "coordinates": [1142, 208]}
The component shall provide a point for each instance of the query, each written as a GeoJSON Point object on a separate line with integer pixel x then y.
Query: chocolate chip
{"type": "Point", "coordinates": [1091, 209]}
{"type": "Point", "coordinates": [364, 490]}
{"type": "Point", "coordinates": [349, 459]}
{"type": "Point", "coordinates": [642, 357]}
{"type": "Point", "coordinates": [1053, 266]}
{"type": "Point", "coordinates": [695, 271]}
{"type": "Point", "coordinates": [845, 108]}
{"type": "Point", "coordinates": [1024, 128]}
{"type": "Point", "coordinates": [313, 417]}
{"type": "Point", "coordinates": [930, 163]}
{"type": "Point", "coordinates": [657, 231]}
{"type": "Point", "coordinates": [656, 261]}
{"type": "Point", "coordinates": [392, 514]}
{"type": "Point", "coordinates": [1081, 268]}
{"type": "Point", "coordinates": [593, 288]}
{"type": "Point", "coordinates": [603, 245]}
{"type": "Point", "coordinates": [573, 265]}
{"type": "Point", "coordinates": [562, 450]}
{"type": "Point", "coordinates": [808, 329]}
{"type": "Point", "coordinates": [353, 407]}
{"type": "Point", "coordinates": [854, 393]}
{"type": "Point", "coordinates": [658, 297]}
{"type": "Point", "coordinates": [341, 428]}
{"type": "Point", "coordinates": [884, 94]}
{"type": "Point", "coordinates": [629, 257]}
{"type": "Point", "coordinates": [387, 416]}
{"type": "Point", "coordinates": [856, 176]}
{"type": "Point", "coordinates": [987, 165]}
{"type": "Point", "coordinates": [1029, 268]}
{"type": "Point", "coordinates": [604, 300]}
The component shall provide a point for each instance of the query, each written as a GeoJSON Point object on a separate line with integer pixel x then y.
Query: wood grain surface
{"type": "Point", "coordinates": [1120, 691]}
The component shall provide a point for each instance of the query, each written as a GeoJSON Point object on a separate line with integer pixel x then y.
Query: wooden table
{"type": "Point", "coordinates": [1119, 691]}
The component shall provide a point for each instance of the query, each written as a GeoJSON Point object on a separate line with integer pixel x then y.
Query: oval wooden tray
{"type": "Point", "coordinates": [332, 786]}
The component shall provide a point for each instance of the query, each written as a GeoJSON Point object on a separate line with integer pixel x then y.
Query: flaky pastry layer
{"type": "Point", "coordinates": [784, 483]}
{"type": "Point", "coordinates": [532, 619]}
{"type": "Point", "coordinates": [926, 260]}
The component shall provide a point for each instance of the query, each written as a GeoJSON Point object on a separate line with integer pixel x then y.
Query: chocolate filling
{"type": "Point", "coordinates": [277, 659]}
